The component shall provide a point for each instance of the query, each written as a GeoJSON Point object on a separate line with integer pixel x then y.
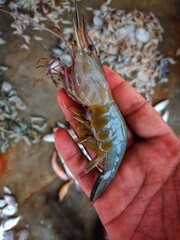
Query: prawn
{"type": "Point", "coordinates": [100, 124]}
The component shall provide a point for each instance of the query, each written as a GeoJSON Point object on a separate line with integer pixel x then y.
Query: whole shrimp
{"type": "Point", "coordinates": [101, 126]}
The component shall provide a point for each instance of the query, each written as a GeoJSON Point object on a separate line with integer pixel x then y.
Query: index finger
{"type": "Point", "coordinates": [142, 118]}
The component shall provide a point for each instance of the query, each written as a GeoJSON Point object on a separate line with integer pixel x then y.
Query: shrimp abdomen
{"type": "Point", "coordinates": [114, 158]}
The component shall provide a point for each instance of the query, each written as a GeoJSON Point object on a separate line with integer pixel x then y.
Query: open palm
{"type": "Point", "coordinates": [143, 200]}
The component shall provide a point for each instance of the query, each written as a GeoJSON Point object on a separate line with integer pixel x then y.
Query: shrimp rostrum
{"type": "Point", "coordinates": [100, 125]}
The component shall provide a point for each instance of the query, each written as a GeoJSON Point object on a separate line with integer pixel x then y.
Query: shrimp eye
{"type": "Point", "coordinates": [91, 47]}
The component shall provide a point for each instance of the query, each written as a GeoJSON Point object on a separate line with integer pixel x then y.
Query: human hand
{"type": "Point", "coordinates": [143, 200]}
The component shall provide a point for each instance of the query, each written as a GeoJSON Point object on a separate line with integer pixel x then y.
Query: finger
{"type": "Point", "coordinates": [66, 102]}
{"type": "Point", "coordinates": [140, 116]}
{"type": "Point", "coordinates": [74, 159]}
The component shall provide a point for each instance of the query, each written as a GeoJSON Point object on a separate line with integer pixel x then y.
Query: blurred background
{"type": "Point", "coordinates": [138, 39]}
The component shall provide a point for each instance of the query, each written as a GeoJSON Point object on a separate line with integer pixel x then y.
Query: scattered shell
{"type": "Point", "coordinates": [58, 169]}
{"type": "Point", "coordinates": [2, 203]}
{"type": "Point", "coordinates": [96, 12]}
{"type": "Point", "coordinates": [170, 60]}
{"type": "Point", "coordinates": [163, 80]}
{"type": "Point", "coordinates": [10, 200]}
{"type": "Point", "coordinates": [128, 43]}
{"type": "Point", "coordinates": [108, 2]}
{"type": "Point", "coordinates": [8, 210]}
{"type": "Point", "coordinates": [62, 125]}
{"type": "Point", "coordinates": [32, 13]}
{"type": "Point", "coordinates": [8, 207]}
{"type": "Point", "coordinates": [89, 9]}
{"type": "Point", "coordinates": [9, 235]}
{"type": "Point", "coordinates": [38, 127]}
{"type": "Point", "coordinates": [177, 54]}
{"type": "Point", "coordinates": [2, 41]}
{"type": "Point", "coordinates": [97, 21]}
{"type": "Point", "coordinates": [7, 190]}
{"type": "Point", "coordinates": [26, 38]}
{"type": "Point", "coordinates": [25, 46]}
{"type": "Point", "coordinates": [10, 223]}
{"type": "Point", "coordinates": [142, 35]}
{"type": "Point", "coordinates": [38, 38]}
{"type": "Point", "coordinates": [2, 1]}
{"type": "Point", "coordinates": [66, 21]}
{"type": "Point", "coordinates": [159, 107]}
{"type": "Point", "coordinates": [22, 234]}
{"type": "Point", "coordinates": [18, 102]}
{"type": "Point", "coordinates": [67, 171]}
{"type": "Point", "coordinates": [104, 8]}
{"type": "Point", "coordinates": [6, 86]}
{"type": "Point", "coordinates": [3, 68]}
{"type": "Point", "coordinates": [11, 126]}
{"type": "Point", "coordinates": [165, 116]}
{"type": "Point", "coordinates": [64, 190]}
{"type": "Point", "coordinates": [48, 138]}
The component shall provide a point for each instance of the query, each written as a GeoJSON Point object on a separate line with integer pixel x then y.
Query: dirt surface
{"type": "Point", "coordinates": [28, 170]}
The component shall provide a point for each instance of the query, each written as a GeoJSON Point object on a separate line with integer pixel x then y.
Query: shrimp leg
{"type": "Point", "coordinates": [93, 163]}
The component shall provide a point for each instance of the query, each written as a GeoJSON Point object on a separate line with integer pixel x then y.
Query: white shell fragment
{"type": "Point", "coordinates": [165, 116]}
{"type": "Point", "coordinates": [97, 21]}
{"type": "Point", "coordinates": [16, 129]}
{"type": "Point", "coordinates": [8, 210]}
{"type": "Point", "coordinates": [142, 35]}
{"type": "Point", "coordinates": [2, 41]}
{"type": "Point", "coordinates": [58, 169]}
{"type": "Point", "coordinates": [2, 1]}
{"type": "Point", "coordinates": [7, 190]}
{"type": "Point", "coordinates": [10, 223]}
{"type": "Point", "coordinates": [177, 54]}
{"type": "Point", "coordinates": [48, 138]}
{"type": "Point", "coordinates": [89, 9]}
{"type": "Point", "coordinates": [104, 8]}
{"type": "Point", "coordinates": [3, 68]}
{"type": "Point", "coordinates": [159, 107]}
{"type": "Point", "coordinates": [2, 203]}
{"type": "Point", "coordinates": [18, 102]}
{"type": "Point", "coordinates": [128, 42]}
{"type": "Point", "coordinates": [22, 234]}
{"type": "Point", "coordinates": [6, 86]}
{"type": "Point", "coordinates": [108, 2]}
{"type": "Point", "coordinates": [163, 80]}
{"type": "Point", "coordinates": [10, 200]}
{"type": "Point", "coordinates": [8, 207]}
{"type": "Point", "coordinates": [25, 46]}
{"type": "Point", "coordinates": [9, 235]}
{"type": "Point", "coordinates": [38, 38]}
{"type": "Point", "coordinates": [64, 190]}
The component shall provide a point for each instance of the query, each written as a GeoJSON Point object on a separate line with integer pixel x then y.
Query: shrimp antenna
{"type": "Point", "coordinates": [58, 35]}
{"type": "Point", "coordinates": [76, 23]}
{"type": "Point", "coordinates": [77, 20]}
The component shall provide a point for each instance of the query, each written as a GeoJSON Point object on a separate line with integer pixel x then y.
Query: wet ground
{"type": "Point", "coordinates": [28, 170]}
